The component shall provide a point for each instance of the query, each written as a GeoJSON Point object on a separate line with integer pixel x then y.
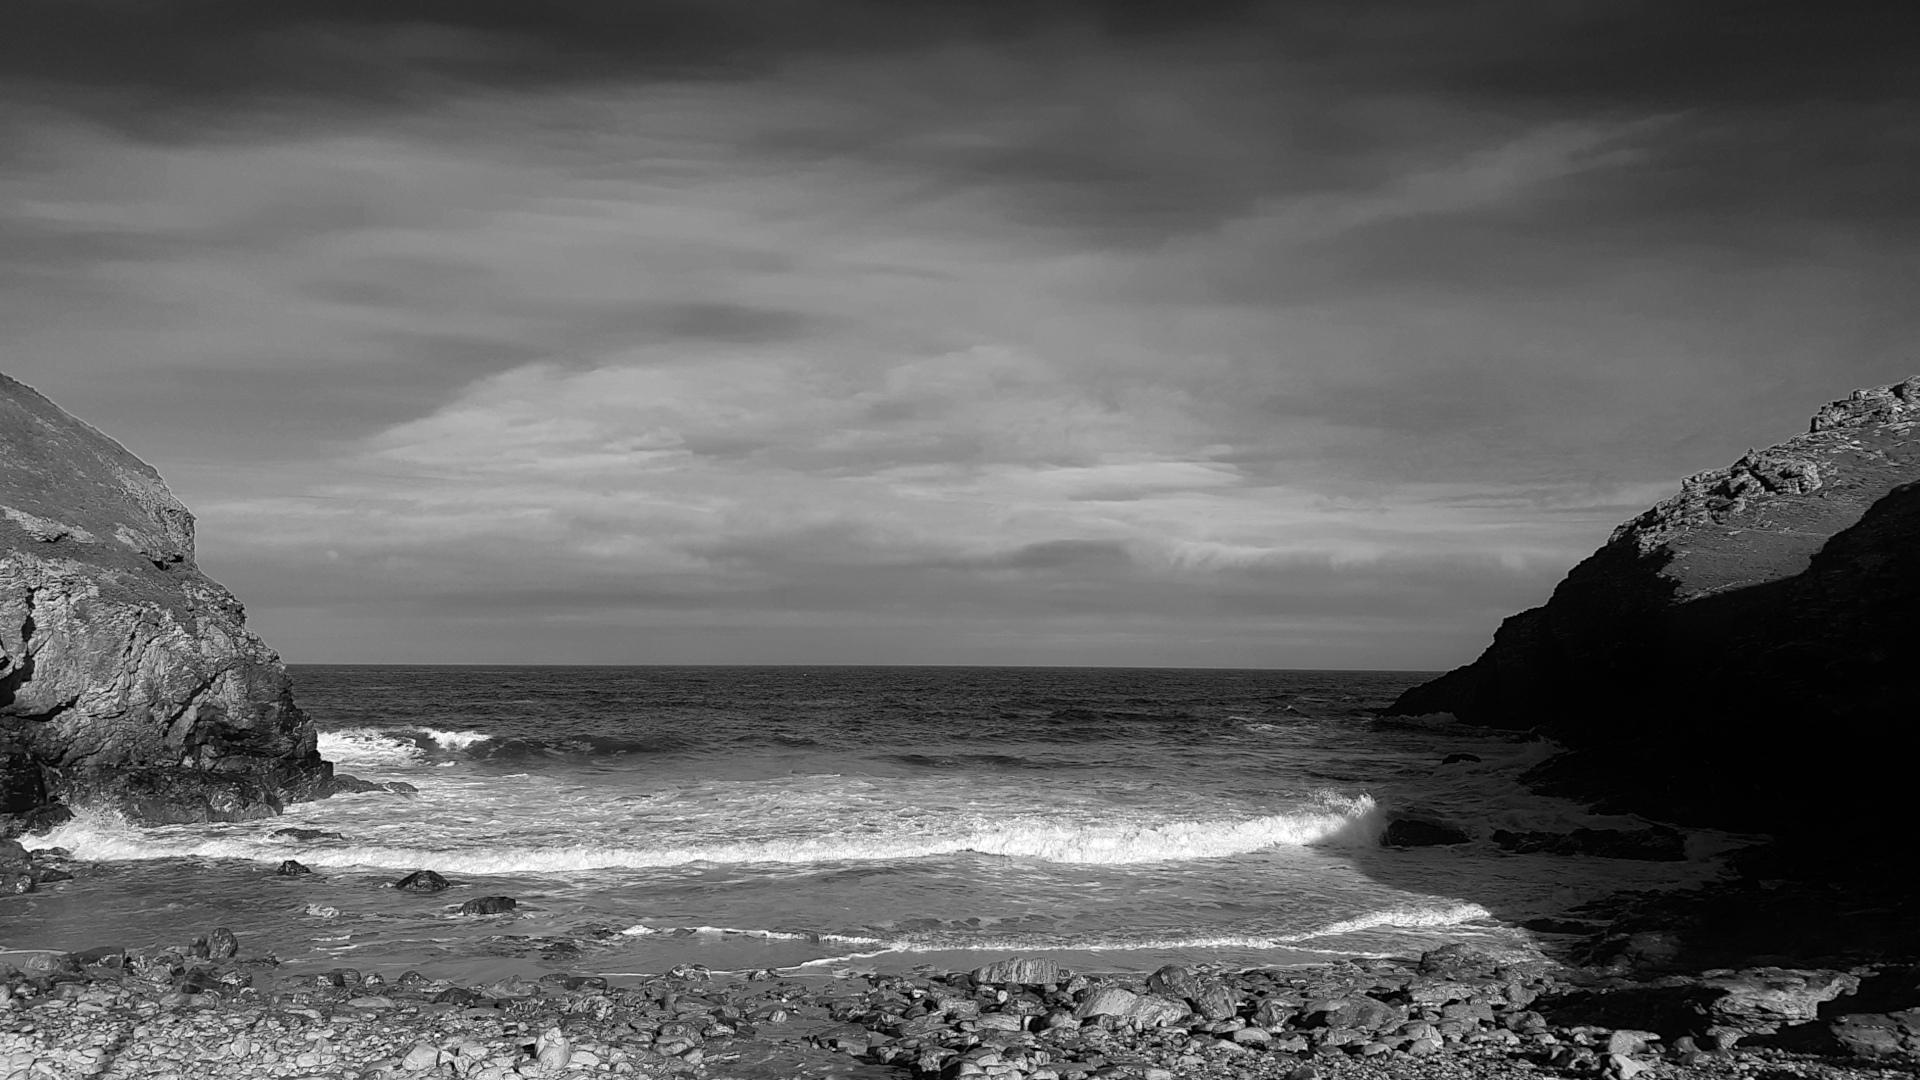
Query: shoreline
{"type": "Point", "coordinates": [209, 1009]}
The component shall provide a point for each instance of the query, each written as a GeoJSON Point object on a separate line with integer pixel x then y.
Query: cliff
{"type": "Point", "coordinates": [126, 675]}
{"type": "Point", "coordinates": [1742, 654]}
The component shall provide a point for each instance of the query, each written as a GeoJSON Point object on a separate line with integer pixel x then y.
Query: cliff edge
{"type": "Point", "coordinates": [127, 677]}
{"type": "Point", "coordinates": [1742, 654]}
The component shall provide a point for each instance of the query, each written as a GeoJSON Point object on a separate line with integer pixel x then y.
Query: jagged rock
{"type": "Point", "coordinates": [1412, 832]}
{"type": "Point", "coordinates": [1035, 972]}
{"type": "Point", "coordinates": [1658, 843]}
{"type": "Point", "coordinates": [422, 881]}
{"type": "Point", "coordinates": [1758, 1001]}
{"type": "Point", "coordinates": [127, 677]}
{"type": "Point", "coordinates": [347, 784]}
{"type": "Point", "coordinates": [1776, 595]}
{"type": "Point", "coordinates": [221, 944]}
{"type": "Point", "coordinates": [290, 868]}
{"type": "Point", "coordinates": [488, 905]}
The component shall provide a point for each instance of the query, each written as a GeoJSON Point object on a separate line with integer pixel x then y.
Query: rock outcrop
{"type": "Point", "coordinates": [127, 677]}
{"type": "Point", "coordinates": [1742, 654]}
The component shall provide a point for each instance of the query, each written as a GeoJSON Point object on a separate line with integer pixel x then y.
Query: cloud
{"type": "Point", "coordinates": [1278, 330]}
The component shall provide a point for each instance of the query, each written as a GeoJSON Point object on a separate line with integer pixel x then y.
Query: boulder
{"type": "Point", "coordinates": [290, 868]}
{"type": "Point", "coordinates": [489, 905]}
{"type": "Point", "coordinates": [1772, 596]}
{"type": "Point", "coordinates": [422, 881]}
{"type": "Point", "coordinates": [127, 677]}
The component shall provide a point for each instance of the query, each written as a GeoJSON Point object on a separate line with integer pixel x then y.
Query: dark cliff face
{"type": "Point", "coordinates": [126, 675]}
{"type": "Point", "coordinates": [1740, 654]}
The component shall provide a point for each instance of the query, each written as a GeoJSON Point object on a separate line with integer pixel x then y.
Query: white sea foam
{"type": "Point", "coordinates": [392, 746]}
{"type": "Point", "coordinates": [1410, 917]}
{"type": "Point", "coordinates": [104, 837]}
{"type": "Point", "coordinates": [1404, 917]}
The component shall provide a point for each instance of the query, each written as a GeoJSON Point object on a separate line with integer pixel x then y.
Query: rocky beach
{"type": "Point", "coordinates": [208, 1009]}
{"type": "Point", "coordinates": [133, 689]}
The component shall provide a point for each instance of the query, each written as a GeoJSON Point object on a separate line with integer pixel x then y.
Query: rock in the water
{"type": "Point", "coordinates": [1656, 844]}
{"type": "Point", "coordinates": [306, 834]}
{"type": "Point", "coordinates": [127, 677]}
{"type": "Point", "coordinates": [1456, 759]}
{"type": "Point", "coordinates": [488, 905]}
{"type": "Point", "coordinates": [1412, 832]}
{"type": "Point", "coordinates": [1015, 970]}
{"type": "Point", "coordinates": [221, 944]}
{"type": "Point", "coordinates": [290, 868]}
{"type": "Point", "coordinates": [422, 881]}
{"type": "Point", "coordinates": [1775, 595]}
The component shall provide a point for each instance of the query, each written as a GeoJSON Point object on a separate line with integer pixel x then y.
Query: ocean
{"type": "Point", "coordinates": [833, 819]}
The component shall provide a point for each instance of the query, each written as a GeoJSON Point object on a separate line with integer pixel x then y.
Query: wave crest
{"type": "Point", "coordinates": [1345, 820]}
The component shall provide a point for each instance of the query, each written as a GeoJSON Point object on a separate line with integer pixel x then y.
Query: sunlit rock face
{"type": "Point", "coordinates": [126, 676]}
{"type": "Point", "coordinates": [1741, 654]}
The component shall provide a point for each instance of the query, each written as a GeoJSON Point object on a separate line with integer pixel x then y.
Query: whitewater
{"type": "Point", "coordinates": [811, 818]}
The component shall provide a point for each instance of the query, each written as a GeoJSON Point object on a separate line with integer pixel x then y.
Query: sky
{"type": "Point", "coordinates": [1295, 335]}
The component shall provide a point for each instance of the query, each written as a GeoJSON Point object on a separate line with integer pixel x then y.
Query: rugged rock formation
{"type": "Point", "coordinates": [126, 675]}
{"type": "Point", "coordinates": [1741, 654]}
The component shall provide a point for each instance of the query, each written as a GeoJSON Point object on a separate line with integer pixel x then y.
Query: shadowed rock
{"type": "Point", "coordinates": [489, 905]}
{"type": "Point", "coordinates": [1738, 655]}
{"type": "Point", "coordinates": [290, 868]}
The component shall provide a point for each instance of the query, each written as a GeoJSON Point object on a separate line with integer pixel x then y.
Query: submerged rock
{"type": "Point", "coordinates": [1656, 844]}
{"type": "Point", "coordinates": [306, 834]}
{"type": "Point", "coordinates": [489, 905]}
{"type": "Point", "coordinates": [290, 868]}
{"type": "Point", "coordinates": [127, 677]}
{"type": "Point", "coordinates": [1412, 832]}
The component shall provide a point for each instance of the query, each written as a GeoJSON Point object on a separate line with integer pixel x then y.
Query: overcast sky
{"type": "Point", "coordinates": [808, 331]}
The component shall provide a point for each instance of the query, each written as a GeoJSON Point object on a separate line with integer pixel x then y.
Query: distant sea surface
{"type": "Point", "coordinates": [825, 818]}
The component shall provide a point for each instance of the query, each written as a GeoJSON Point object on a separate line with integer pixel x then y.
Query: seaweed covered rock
{"type": "Point", "coordinates": [127, 677]}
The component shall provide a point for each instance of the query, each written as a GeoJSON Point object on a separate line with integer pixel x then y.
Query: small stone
{"type": "Point", "coordinates": [1252, 1036]}
{"type": "Point", "coordinates": [420, 1058]}
{"type": "Point", "coordinates": [372, 1001]}
{"type": "Point", "coordinates": [552, 1050]}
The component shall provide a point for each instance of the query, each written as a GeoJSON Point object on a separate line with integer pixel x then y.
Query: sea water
{"type": "Point", "coordinates": [832, 818]}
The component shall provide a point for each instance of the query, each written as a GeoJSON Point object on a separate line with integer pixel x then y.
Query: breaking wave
{"type": "Point", "coordinates": [1339, 820]}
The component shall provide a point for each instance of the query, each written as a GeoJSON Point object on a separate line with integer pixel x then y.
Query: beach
{"type": "Point", "coordinates": [191, 1012]}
